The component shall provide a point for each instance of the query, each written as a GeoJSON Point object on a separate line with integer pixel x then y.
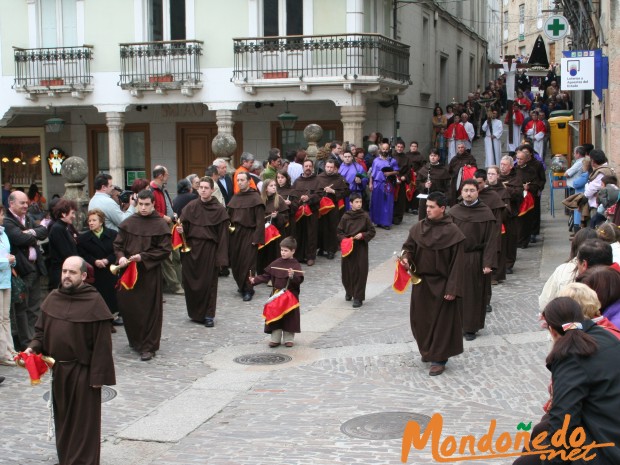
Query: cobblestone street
{"type": "Point", "coordinates": [194, 404]}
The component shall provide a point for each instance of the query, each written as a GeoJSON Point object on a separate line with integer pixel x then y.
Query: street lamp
{"type": "Point", "coordinates": [287, 119]}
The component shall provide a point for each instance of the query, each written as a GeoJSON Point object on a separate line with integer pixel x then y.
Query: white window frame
{"type": "Point", "coordinates": [142, 26]}
{"type": "Point", "coordinates": [35, 25]}
{"type": "Point", "coordinates": [256, 17]}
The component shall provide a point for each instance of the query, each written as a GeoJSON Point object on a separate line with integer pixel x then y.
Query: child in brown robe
{"type": "Point", "coordinates": [355, 224]}
{"type": "Point", "coordinates": [284, 273]}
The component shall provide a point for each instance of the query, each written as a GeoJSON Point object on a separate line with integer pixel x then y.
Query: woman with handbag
{"type": "Point", "coordinates": [7, 261]}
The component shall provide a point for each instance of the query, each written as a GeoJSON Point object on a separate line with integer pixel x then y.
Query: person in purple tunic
{"type": "Point", "coordinates": [382, 199]}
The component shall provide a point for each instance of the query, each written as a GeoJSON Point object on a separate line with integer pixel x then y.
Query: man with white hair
{"type": "Point", "coordinates": [224, 182]}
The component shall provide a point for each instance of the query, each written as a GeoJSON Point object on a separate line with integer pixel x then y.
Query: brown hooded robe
{"type": "Point", "coordinates": [205, 225]}
{"type": "Point", "coordinates": [142, 307]}
{"type": "Point", "coordinates": [478, 225]}
{"type": "Point", "coordinates": [436, 250]}
{"type": "Point", "coordinates": [74, 329]}
{"type": "Point", "coordinates": [354, 266]}
{"type": "Point", "coordinates": [247, 215]}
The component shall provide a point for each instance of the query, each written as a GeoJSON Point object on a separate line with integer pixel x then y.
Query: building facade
{"type": "Point", "coordinates": [128, 84]}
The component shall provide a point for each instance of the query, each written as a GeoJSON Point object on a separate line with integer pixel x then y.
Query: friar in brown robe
{"type": "Point", "coordinates": [435, 248]}
{"type": "Point", "coordinates": [531, 175]}
{"type": "Point", "coordinates": [460, 160]}
{"type": "Point", "coordinates": [416, 161]}
{"type": "Point", "coordinates": [494, 185]}
{"type": "Point", "coordinates": [404, 176]}
{"type": "Point", "coordinates": [291, 198]}
{"type": "Point", "coordinates": [432, 177]}
{"type": "Point", "coordinates": [508, 179]}
{"type": "Point", "coordinates": [477, 222]}
{"type": "Point", "coordinates": [247, 216]}
{"type": "Point", "coordinates": [492, 200]}
{"type": "Point", "coordinates": [355, 224]}
{"type": "Point", "coordinates": [144, 238]}
{"type": "Point", "coordinates": [306, 228]}
{"type": "Point", "coordinates": [332, 185]}
{"type": "Point", "coordinates": [205, 225]}
{"type": "Point", "coordinates": [75, 330]}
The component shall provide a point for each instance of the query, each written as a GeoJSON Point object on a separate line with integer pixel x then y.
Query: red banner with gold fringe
{"type": "Point", "coordinates": [325, 206]}
{"type": "Point", "coordinates": [401, 278]}
{"type": "Point", "coordinates": [271, 234]}
{"type": "Point", "coordinates": [303, 210]}
{"type": "Point", "coordinates": [346, 246]}
{"type": "Point", "coordinates": [130, 276]}
{"type": "Point", "coordinates": [527, 204]}
{"type": "Point", "coordinates": [278, 305]}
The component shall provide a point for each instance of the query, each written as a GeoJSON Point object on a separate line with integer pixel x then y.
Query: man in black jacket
{"type": "Point", "coordinates": [23, 235]}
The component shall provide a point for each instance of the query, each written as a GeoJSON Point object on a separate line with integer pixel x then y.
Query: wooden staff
{"type": "Point", "coordinates": [285, 269]}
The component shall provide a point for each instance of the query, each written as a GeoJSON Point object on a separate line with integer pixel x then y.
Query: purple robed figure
{"type": "Point", "coordinates": [350, 172]}
{"type": "Point", "coordinates": [382, 199]}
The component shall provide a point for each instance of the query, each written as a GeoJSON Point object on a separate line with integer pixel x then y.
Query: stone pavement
{"type": "Point", "coordinates": [194, 404]}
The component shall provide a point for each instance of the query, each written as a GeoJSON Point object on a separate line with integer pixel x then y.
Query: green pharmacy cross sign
{"type": "Point", "coordinates": [556, 27]}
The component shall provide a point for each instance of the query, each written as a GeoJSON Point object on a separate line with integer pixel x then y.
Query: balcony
{"type": "Point", "coordinates": [53, 71]}
{"type": "Point", "coordinates": [161, 66]}
{"type": "Point", "coordinates": [370, 62]}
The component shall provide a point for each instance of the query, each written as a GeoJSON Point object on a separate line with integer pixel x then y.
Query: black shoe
{"type": "Point", "coordinates": [347, 297]}
{"type": "Point", "coordinates": [118, 321]}
{"type": "Point", "coordinates": [224, 272]}
{"type": "Point", "coordinates": [470, 336]}
{"type": "Point", "coordinates": [509, 271]}
{"type": "Point", "coordinates": [209, 323]}
{"type": "Point", "coordinates": [357, 303]}
{"type": "Point", "coordinates": [524, 246]}
{"type": "Point", "coordinates": [2, 378]}
{"type": "Point", "coordinates": [146, 356]}
{"type": "Point", "coordinates": [319, 253]}
{"type": "Point", "coordinates": [533, 240]}
{"type": "Point", "coordinates": [397, 222]}
{"type": "Point", "coordinates": [415, 212]}
{"type": "Point", "coordinates": [489, 308]}
{"type": "Point", "coordinates": [247, 297]}
{"type": "Point", "coordinates": [387, 228]}
{"type": "Point", "coordinates": [330, 255]}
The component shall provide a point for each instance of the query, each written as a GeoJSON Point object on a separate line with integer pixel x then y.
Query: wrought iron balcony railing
{"type": "Point", "coordinates": [170, 65]}
{"type": "Point", "coordinates": [352, 56]}
{"type": "Point", "coordinates": [60, 68]}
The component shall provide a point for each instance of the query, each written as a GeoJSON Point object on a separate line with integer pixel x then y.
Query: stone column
{"type": "Point", "coordinates": [224, 121]}
{"type": "Point", "coordinates": [115, 121]}
{"type": "Point", "coordinates": [353, 118]}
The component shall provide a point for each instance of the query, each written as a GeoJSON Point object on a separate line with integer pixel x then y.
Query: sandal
{"type": "Point", "coordinates": [274, 344]}
{"type": "Point", "coordinates": [288, 344]}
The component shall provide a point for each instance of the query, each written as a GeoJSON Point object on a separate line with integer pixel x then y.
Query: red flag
{"type": "Point", "coordinates": [503, 228]}
{"type": "Point", "coordinates": [325, 206]}
{"type": "Point", "coordinates": [346, 246]}
{"type": "Point", "coordinates": [35, 365]}
{"type": "Point", "coordinates": [468, 172]}
{"type": "Point", "coordinates": [130, 276]}
{"type": "Point", "coordinates": [527, 204]}
{"type": "Point", "coordinates": [303, 210]}
{"type": "Point", "coordinates": [340, 204]}
{"type": "Point", "coordinates": [177, 240]}
{"type": "Point", "coordinates": [271, 234]}
{"type": "Point", "coordinates": [278, 305]}
{"type": "Point", "coordinates": [410, 191]}
{"type": "Point", "coordinates": [401, 278]}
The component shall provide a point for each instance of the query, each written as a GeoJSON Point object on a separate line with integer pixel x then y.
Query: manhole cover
{"type": "Point", "coordinates": [107, 393]}
{"type": "Point", "coordinates": [385, 425]}
{"type": "Point", "coordinates": [262, 359]}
